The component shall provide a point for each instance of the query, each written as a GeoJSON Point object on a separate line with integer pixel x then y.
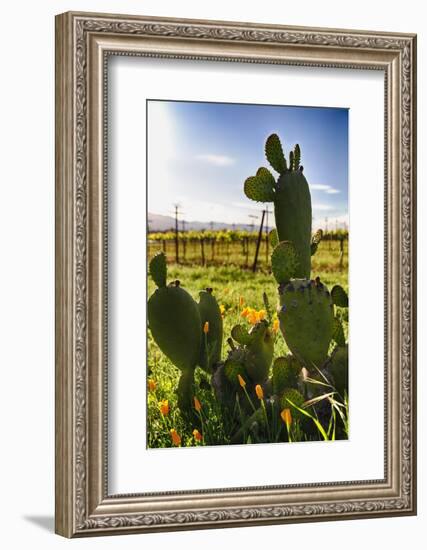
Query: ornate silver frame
{"type": "Point", "coordinates": [83, 505]}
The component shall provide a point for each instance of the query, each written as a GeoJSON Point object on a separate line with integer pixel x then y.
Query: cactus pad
{"type": "Point", "coordinates": [274, 239]}
{"type": "Point", "coordinates": [254, 353]}
{"type": "Point", "coordinates": [296, 398]}
{"type": "Point", "coordinates": [211, 346]}
{"type": "Point", "coordinates": [315, 240]}
{"type": "Point", "coordinates": [234, 366]}
{"type": "Point", "coordinates": [339, 369]}
{"type": "Point", "coordinates": [306, 320]}
{"type": "Point", "coordinates": [293, 215]}
{"type": "Point", "coordinates": [286, 372]}
{"type": "Point", "coordinates": [339, 296]}
{"type": "Point", "coordinates": [274, 153]}
{"type": "Point", "coordinates": [241, 335]}
{"type": "Point", "coordinates": [259, 188]}
{"type": "Point", "coordinates": [260, 352]}
{"type": "Point", "coordinates": [338, 332]}
{"type": "Point", "coordinates": [284, 262]}
{"type": "Point", "coordinates": [158, 269]}
{"type": "Point", "coordinates": [297, 157]}
{"type": "Point", "coordinates": [174, 321]}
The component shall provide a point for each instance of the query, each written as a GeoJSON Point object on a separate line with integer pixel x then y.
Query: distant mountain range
{"type": "Point", "coordinates": [158, 222]}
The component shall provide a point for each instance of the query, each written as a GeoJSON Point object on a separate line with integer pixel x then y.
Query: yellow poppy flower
{"type": "Point", "coordinates": [164, 407]}
{"type": "Point", "coordinates": [197, 404]}
{"type": "Point", "coordinates": [152, 384]}
{"type": "Point", "coordinates": [176, 438]}
{"type": "Point", "coordinates": [197, 435]}
{"type": "Point", "coordinates": [276, 325]}
{"type": "Point", "coordinates": [241, 381]}
{"type": "Point", "coordinates": [245, 312]}
{"type": "Point", "coordinates": [259, 392]}
{"type": "Point", "coordinates": [286, 417]}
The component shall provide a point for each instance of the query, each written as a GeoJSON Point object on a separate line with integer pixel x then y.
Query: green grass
{"type": "Point", "coordinates": [234, 288]}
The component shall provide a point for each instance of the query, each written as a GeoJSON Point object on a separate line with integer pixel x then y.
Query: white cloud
{"type": "Point", "coordinates": [322, 187]}
{"type": "Point", "coordinates": [216, 160]}
{"type": "Point", "coordinates": [322, 207]}
{"type": "Point", "coordinates": [319, 186]}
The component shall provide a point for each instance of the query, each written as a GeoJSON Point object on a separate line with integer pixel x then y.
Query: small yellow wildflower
{"type": "Point", "coordinates": [259, 392]}
{"type": "Point", "coordinates": [197, 404]}
{"type": "Point", "coordinates": [276, 325]}
{"type": "Point", "coordinates": [286, 417]}
{"type": "Point", "coordinates": [222, 309]}
{"type": "Point", "coordinates": [206, 327]}
{"type": "Point", "coordinates": [152, 384]}
{"type": "Point", "coordinates": [164, 407]}
{"type": "Point", "coordinates": [241, 380]}
{"type": "Point", "coordinates": [176, 438]}
{"type": "Point", "coordinates": [197, 435]}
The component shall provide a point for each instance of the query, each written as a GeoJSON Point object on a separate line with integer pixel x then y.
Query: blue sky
{"type": "Point", "coordinates": [199, 155]}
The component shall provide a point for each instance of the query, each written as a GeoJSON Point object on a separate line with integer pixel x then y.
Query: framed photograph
{"type": "Point", "coordinates": [235, 274]}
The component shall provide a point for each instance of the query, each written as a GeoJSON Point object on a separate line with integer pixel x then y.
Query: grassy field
{"type": "Point", "coordinates": [234, 288]}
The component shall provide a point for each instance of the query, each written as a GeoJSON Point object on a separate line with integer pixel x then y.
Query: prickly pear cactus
{"type": "Point", "coordinates": [338, 367]}
{"type": "Point", "coordinates": [286, 373]}
{"type": "Point", "coordinates": [292, 211]}
{"type": "Point", "coordinates": [211, 345]}
{"type": "Point", "coordinates": [174, 322]}
{"type": "Point", "coordinates": [291, 395]}
{"type": "Point", "coordinates": [284, 262]}
{"type": "Point", "coordinates": [339, 296]}
{"type": "Point", "coordinates": [254, 355]}
{"type": "Point", "coordinates": [291, 197]}
{"type": "Point", "coordinates": [306, 320]}
{"type": "Point", "coordinates": [235, 366]}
